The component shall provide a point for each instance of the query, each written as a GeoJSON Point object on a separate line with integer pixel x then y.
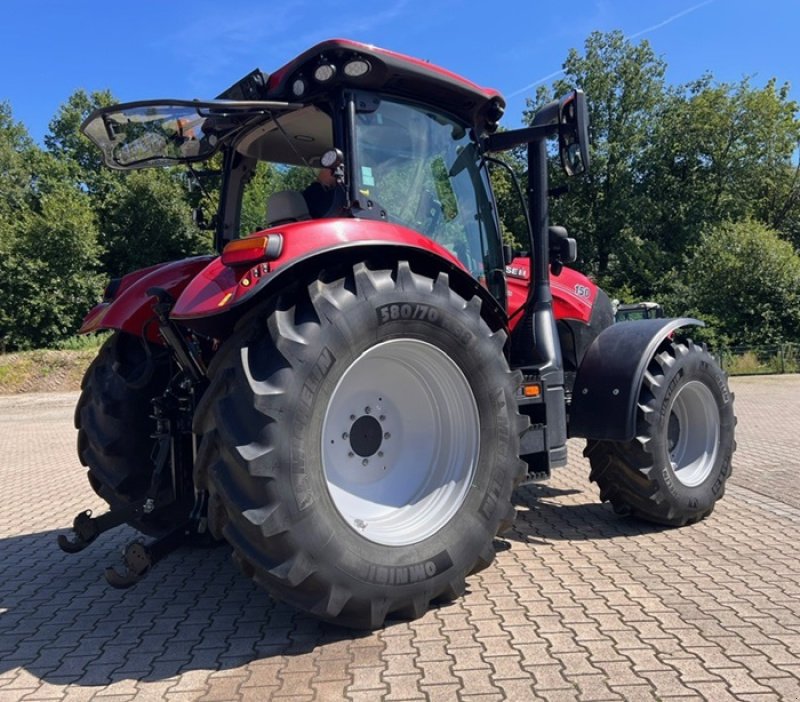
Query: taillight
{"type": "Point", "coordinates": [252, 250]}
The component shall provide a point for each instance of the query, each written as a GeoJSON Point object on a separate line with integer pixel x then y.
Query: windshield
{"type": "Point", "coordinates": [423, 169]}
{"type": "Point", "coordinates": [144, 134]}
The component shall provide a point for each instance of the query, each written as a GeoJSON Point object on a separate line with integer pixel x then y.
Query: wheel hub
{"type": "Point", "coordinates": [366, 436]}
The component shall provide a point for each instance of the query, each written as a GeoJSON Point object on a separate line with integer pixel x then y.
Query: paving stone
{"type": "Point", "coordinates": [580, 605]}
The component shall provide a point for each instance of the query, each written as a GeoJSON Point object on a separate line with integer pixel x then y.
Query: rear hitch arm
{"type": "Point", "coordinates": [87, 528]}
{"type": "Point", "coordinates": [138, 558]}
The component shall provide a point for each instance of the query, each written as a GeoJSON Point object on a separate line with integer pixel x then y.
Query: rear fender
{"type": "Point", "coordinates": [609, 379]}
{"type": "Point", "coordinates": [131, 308]}
{"type": "Point", "coordinates": [220, 295]}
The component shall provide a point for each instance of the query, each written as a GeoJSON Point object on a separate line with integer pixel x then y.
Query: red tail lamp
{"type": "Point", "coordinates": [252, 250]}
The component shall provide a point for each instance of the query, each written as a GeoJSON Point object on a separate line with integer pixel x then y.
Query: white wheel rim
{"type": "Point", "coordinates": [400, 442]}
{"type": "Point", "coordinates": [693, 433]}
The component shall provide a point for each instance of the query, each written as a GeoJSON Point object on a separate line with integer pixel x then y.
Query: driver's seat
{"type": "Point", "coordinates": [286, 206]}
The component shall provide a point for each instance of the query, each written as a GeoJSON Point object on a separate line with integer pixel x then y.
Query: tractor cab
{"type": "Point", "coordinates": [401, 138]}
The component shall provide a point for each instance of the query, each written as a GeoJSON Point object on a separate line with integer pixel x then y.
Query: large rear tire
{"type": "Point", "coordinates": [675, 469]}
{"type": "Point", "coordinates": [113, 419]}
{"type": "Point", "coordinates": [361, 444]}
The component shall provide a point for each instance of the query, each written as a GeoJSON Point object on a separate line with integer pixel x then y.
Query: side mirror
{"type": "Point", "coordinates": [573, 133]}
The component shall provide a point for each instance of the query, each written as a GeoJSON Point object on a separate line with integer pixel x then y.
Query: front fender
{"type": "Point", "coordinates": [131, 309]}
{"type": "Point", "coordinates": [610, 377]}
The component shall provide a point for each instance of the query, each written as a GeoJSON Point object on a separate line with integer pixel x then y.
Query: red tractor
{"type": "Point", "coordinates": [349, 396]}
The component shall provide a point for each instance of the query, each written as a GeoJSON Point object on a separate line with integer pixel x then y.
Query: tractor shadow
{"type": "Point", "coordinates": [543, 516]}
{"type": "Point", "coordinates": [63, 623]}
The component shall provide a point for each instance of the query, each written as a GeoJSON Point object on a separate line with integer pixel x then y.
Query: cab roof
{"type": "Point", "coordinates": [389, 72]}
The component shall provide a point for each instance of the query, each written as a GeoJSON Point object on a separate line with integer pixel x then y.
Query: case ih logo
{"type": "Point", "coordinates": [517, 272]}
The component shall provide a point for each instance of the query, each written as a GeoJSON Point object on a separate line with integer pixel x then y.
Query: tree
{"type": "Point", "coordinates": [667, 163]}
{"type": "Point", "coordinates": [720, 152]}
{"type": "Point", "coordinates": [66, 142]}
{"type": "Point", "coordinates": [510, 205]}
{"type": "Point", "coordinates": [745, 280]}
{"type": "Point", "coordinates": [49, 275]}
{"type": "Point", "coordinates": [144, 217]}
{"type": "Point", "coordinates": [624, 85]}
{"type": "Point", "coordinates": [16, 154]}
{"type": "Point", "coordinates": [148, 221]}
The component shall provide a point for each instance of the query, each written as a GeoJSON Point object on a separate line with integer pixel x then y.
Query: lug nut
{"type": "Point", "coordinates": [345, 435]}
{"type": "Point", "coordinates": [367, 410]}
{"type": "Point", "coordinates": [365, 462]}
{"type": "Point", "coordinates": [387, 435]}
{"type": "Point", "coordinates": [382, 417]}
{"type": "Point", "coordinates": [380, 454]}
{"type": "Point", "coordinates": [352, 417]}
{"type": "Point", "coordinates": [350, 454]}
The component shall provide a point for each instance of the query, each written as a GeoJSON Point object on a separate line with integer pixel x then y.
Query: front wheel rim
{"type": "Point", "coordinates": [693, 433]}
{"type": "Point", "coordinates": [400, 442]}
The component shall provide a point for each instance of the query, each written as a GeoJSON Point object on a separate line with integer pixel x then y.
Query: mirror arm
{"type": "Point", "coordinates": [503, 141]}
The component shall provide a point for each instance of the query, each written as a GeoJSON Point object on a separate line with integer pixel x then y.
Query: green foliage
{"type": "Point", "coordinates": [144, 217]}
{"type": "Point", "coordinates": [693, 200]}
{"type": "Point", "coordinates": [719, 152]}
{"type": "Point", "coordinates": [68, 145]}
{"type": "Point", "coordinates": [624, 83]}
{"type": "Point", "coordinates": [85, 342]}
{"type": "Point", "coordinates": [761, 360]}
{"type": "Point", "coordinates": [679, 174]}
{"type": "Point", "coordinates": [747, 279]}
{"type": "Point", "coordinates": [64, 217]}
{"type": "Point", "coordinates": [48, 277]}
{"type": "Point", "coordinates": [511, 201]}
{"type": "Point", "coordinates": [148, 221]}
{"type": "Point", "coordinates": [16, 150]}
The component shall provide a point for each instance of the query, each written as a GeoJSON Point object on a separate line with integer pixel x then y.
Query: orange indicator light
{"type": "Point", "coordinates": [251, 250]}
{"type": "Point", "coordinates": [532, 390]}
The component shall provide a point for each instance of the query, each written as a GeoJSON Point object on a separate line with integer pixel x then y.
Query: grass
{"type": "Point", "coordinates": [84, 342]}
{"type": "Point", "coordinates": [48, 370]}
{"type": "Point", "coordinates": [761, 361]}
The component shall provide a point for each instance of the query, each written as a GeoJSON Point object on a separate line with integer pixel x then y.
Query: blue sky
{"type": "Point", "coordinates": [153, 49]}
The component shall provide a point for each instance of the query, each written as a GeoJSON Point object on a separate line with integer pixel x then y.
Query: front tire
{"type": "Point", "coordinates": [675, 469]}
{"type": "Point", "coordinates": [361, 444]}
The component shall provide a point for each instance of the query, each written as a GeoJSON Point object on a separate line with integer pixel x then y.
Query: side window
{"type": "Point", "coordinates": [287, 151]}
{"type": "Point", "coordinates": [269, 178]}
{"type": "Point", "coordinates": [423, 169]}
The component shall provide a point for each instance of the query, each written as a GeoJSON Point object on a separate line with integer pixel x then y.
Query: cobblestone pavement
{"type": "Point", "coordinates": [579, 605]}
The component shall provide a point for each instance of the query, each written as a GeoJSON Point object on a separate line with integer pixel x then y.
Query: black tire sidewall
{"type": "Point", "coordinates": [693, 366]}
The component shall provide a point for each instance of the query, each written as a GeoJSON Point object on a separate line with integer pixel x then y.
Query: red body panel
{"type": "Point", "coordinates": [131, 308]}
{"type": "Point", "coordinates": [217, 288]}
{"type": "Point", "coordinates": [204, 287]}
{"type": "Point", "coordinates": [573, 293]}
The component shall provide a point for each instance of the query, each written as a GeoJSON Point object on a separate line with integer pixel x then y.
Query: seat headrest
{"type": "Point", "coordinates": [286, 206]}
